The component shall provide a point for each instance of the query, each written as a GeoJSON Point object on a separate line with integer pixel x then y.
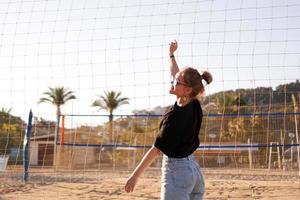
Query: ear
{"type": "Point", "coordinates": [188, 91]}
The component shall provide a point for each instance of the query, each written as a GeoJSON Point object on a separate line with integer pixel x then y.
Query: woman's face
{"type": "Point", "coordinates": [179, 87]}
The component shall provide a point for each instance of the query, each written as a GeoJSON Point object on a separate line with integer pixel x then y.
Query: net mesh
{"type": "Point", "coordinates": [251, 109]}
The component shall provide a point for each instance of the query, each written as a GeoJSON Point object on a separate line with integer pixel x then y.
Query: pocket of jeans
{"type": "Point", "coordinates": [182, 176]}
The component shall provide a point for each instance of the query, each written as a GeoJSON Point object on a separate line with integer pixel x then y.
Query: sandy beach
{"type": "Point", "coordinates": [107, 185]}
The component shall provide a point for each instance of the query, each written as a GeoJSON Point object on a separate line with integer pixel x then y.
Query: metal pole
{"type": "Point", "coordinates": [26, 146]}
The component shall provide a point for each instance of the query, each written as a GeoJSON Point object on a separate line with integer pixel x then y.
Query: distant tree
{"type": "Point", "coordinates": [224, 101]}
{"type": "Point", "coordinates": [43, 127]}
{"type": "Point", "coordinates": [239, 104]}
{"type": "Point", "coordinates": [5, 110]}
{"type": "Point", "coordinates": [57, 96]}
{"type": "Point", "coordinates": [11, 131]}
{"type": "Point", "coordinates": [110, 101]}
{"type": "Point", "coordinates": [258, 96]}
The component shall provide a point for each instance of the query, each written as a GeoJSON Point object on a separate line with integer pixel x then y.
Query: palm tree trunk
{"type": "Point", "coordinates": [58, 112]}
{"type": "Point", "coordinates": [56, 159]}
{"type": "Point", "coordinates": [112, 139]}
{"type": "Point", "coordinates": [111, 127]}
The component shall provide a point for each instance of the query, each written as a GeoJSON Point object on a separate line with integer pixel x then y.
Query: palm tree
{"type": "Point", "coordinates": [57, 96]}
{"type": "Point", "coordinates": [110, 102]}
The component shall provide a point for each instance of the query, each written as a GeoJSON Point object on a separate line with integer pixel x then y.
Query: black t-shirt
{"type": "Point", "coordinates": [179, 130]}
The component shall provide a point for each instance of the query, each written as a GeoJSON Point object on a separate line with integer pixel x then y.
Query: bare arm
{"type": "Point", "coordinates": [148, 158]}
{"type": "Point", "coordinates": [173, 65]}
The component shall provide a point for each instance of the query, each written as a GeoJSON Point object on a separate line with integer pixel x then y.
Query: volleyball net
{"type": "Point", "coordinates": [251, 109]}
{"type": "Point", "coordinates": [260, 140]}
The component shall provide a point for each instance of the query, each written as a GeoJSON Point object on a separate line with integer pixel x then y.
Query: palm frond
{"type": "Point", "coordinates": [110, 101]}
{"type": "Point", "coordinates": [43, 100]}
{"type": "Point", "coordinates": [57, 96]}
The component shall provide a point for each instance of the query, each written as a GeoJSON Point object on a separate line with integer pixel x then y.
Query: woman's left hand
{"type": "Point", "coordinates": [130, 184]}
{"type": "Point", "coordinates": [173, 47]}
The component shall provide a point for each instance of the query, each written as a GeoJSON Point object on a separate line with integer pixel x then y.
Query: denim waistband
{"type": "Point", "coordinates": [190, 157]}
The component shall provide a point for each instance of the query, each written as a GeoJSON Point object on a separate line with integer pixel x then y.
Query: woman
{"type": "Point", "coordinates": [178, 137]}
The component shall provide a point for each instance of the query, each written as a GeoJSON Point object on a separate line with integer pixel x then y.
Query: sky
{"type": "Point", "coordinates": [94, 46]}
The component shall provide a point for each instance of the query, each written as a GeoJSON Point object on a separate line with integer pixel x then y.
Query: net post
{"type": "Point", "coordinates": [26, 145]}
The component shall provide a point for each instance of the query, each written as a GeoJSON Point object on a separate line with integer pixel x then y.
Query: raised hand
{"type": "Point", "coordinates": [173, 47]}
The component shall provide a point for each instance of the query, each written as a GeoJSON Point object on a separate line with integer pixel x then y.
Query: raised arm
{"type": "Point", "coordinates": [173, 65]}
{"type": "Point", "coordinates": [149, 157]}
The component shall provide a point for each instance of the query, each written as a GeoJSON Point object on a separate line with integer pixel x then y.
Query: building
{"type": "Point", "coordinates": [42, 150]}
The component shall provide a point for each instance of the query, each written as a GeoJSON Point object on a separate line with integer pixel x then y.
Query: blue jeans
{"type": "Point", "coordinates": [181, 179]}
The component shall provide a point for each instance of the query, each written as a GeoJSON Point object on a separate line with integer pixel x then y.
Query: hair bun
{"type": "Point", "coordinates": [207, 77]}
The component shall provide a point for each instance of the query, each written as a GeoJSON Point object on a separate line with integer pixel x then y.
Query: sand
{"type": "Point", "coordinates": [108, 185]}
